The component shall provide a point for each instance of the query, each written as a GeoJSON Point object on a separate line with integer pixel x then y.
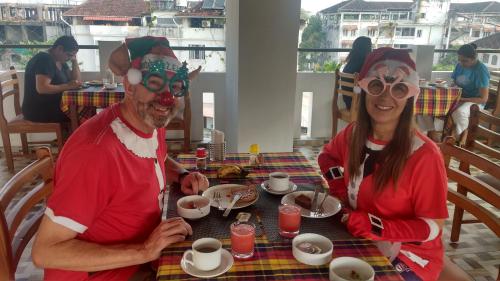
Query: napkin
{"type": "Point", "coordinates": [217, 136]}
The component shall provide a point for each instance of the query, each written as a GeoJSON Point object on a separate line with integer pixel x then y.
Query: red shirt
{"type": "Point", "coordinates": [421, 193]}
{"type": "Point", "coordinates": [106, 187]}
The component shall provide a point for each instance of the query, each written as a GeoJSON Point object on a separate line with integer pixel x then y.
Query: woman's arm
{"type": "Point", "coordinates": [482, 99]}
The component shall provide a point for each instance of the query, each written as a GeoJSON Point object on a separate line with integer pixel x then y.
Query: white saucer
{"type": "Point", "coordinates": [226, 263]}
{"type": "Point", "coordinates": [291, 188]}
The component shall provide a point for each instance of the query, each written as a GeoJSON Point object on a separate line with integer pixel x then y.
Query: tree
{"type": "Point", "coordinates": [448, 61]}
{"type": "Point", "coordinates": [312, 37]}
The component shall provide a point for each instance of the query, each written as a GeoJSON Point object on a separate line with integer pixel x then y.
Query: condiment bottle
{"type": "Point", "coordinates": [254, 155]}
{"type": "Point", "coordinates": [201, 159]}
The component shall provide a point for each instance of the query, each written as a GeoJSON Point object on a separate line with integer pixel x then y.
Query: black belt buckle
{"type": "Point", "coordinates": [335, 173]}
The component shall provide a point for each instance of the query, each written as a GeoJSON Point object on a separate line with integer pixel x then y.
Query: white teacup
{"type": "Point", "coordinates": [205, 255]}
{"type": "Point", "coordinates": [279, 181]}
{"type": "Point", "coordinates": [349, 268]}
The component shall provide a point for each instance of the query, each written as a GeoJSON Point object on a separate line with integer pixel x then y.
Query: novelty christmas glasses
{"type": "Point", "coordinates": [376, 85]}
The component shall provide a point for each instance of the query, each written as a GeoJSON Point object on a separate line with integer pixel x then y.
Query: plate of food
{"type": "Point", "coordinates": [232, 172]}
{"type": "Point", "coordinates": [222, 195]}
{"type": "Point", "coordinates": [303, 199]}
{"type": "Point", "coordinates": [94, 83]}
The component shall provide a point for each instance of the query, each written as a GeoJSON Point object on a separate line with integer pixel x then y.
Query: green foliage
{"type": "Point", "coordinates": [19, 57]}
{"type": "Point", "coordinates": [312, 37]}
{"type": "Point", "coordinates": [330, 66]}
{"type": "Point", "coordinates": [448, 61]}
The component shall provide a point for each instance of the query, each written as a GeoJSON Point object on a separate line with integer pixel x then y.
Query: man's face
{"type": "Point", "coordinates": [149, 107]}
{"type": "Point", "coordinates": [64, 56]}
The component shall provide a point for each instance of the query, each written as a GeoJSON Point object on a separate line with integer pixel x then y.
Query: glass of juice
{"type": "Point", "coordinates": [242, 239]}
{"type": "Point", "coordinates": [289, 220]}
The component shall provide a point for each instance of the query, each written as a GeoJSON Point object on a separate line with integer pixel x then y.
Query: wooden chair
{"type": "Point", "coordinates": [493, 103]}
{"type": "Point", "coordinates": [344, 114]}
{"type": "Point", "coordinates": [9, 86]}
{"type": "Point", "coordinates": [184, 124]}
{"type": "Point", "coordinates": [24, 215]}
{"type": "Point", "coordinates": [466, 183]}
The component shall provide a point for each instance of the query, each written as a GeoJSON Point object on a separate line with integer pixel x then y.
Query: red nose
{"type": "Point", "coordinates": [166, 99]}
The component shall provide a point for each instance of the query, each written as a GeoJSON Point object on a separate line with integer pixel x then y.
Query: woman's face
{"type": "Point", "coordinates": [466, 62]}
{"type": "Point", "coordinates": [384, 110]}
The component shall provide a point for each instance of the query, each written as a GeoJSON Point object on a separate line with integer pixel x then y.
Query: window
{"type": "Point", "coordinates": [372, 32]}
{"type": "Point", "coordinates": [13, 12]}
{"type": "Point", "coordinates": [494, 60]}
{"type": "Point", "coordinates": [419, 33]}
{"type": "Point", "coordinates": [403, 16]}
{"type": "Point", "coordinates": [196, 54]}
{"type": "Point", "coordinates": [486, 58]}
{"type": "Point", "coordinates": [369, 17]}
{"type": "Point", "coordinates": [476, 33]}
{"type": "Point", "coordinates": [351, 16]}
{"type": "Point", "coordinates": [384, 17]}
{"type": "Point", "coordinates": [394, 16]}
{"type": "Point", "coordinates": [485, 34]}
{"type": "Point", "coordinates": [405, 31]}
{"type": "Point", "coordinates": [353, 32]}
{"type": "Point", "coordinates": [345, 32]}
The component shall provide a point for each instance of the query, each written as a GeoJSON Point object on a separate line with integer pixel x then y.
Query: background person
{"type": "Point", "coordinates": [103, 219]}
{"type": "Point", "coordinates": [361, 47]}
{"type": "Point", "coordinates": [47, 75]}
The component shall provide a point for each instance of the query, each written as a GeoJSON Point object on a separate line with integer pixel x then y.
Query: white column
{"type": "Point", "coordinates": [261, 69]}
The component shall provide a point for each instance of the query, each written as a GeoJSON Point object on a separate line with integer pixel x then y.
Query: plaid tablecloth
{"type": "Point", "coordinates": [91, 97]}
{"type": "Point", "coordinates": [273, 260]}
{"type": "Point", "coordinates": [293, 163]}
{"type": "Point", "coordinates": [437, 102]}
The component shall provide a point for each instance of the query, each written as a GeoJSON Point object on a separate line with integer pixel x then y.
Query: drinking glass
{"type": "Point", "coordinates": [289, 220]}
{"type": "Point", "coordinates": [242, 239]}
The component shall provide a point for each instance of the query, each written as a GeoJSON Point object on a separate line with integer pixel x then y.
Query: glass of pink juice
{"type": "Point", "coordinates": [242, 239]}
{"type": "Point", "coordinates": [289, 220]}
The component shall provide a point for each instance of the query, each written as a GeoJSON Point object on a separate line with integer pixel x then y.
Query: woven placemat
{"type": "Point", "coordinates": [264, 216]}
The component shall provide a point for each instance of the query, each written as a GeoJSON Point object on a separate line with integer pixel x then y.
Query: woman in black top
{"type": "Point", "coordinates": [361, 47]}
{"type": "Point", "coordinates": [47, 75]}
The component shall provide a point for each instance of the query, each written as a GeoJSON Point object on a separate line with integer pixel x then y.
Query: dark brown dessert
{"type": "Point", "coordinates": [303, 201]}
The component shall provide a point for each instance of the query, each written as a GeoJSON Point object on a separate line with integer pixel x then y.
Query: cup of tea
{"type": "Point", "coordinates": [289, 220]}
{"type": "Point", "coordinates": [279, 181]}
{"type": "Point", "coordinates": [242, 239]}
{"type": "Point", "coordinates": [205, 254]}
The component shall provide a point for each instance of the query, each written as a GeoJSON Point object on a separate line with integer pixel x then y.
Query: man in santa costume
{"type": "Point", "coordinates": [103, 220]}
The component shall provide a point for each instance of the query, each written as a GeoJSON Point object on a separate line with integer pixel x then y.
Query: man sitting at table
{"type": "Point", "coordinates": [47, 76]}
{"type": "Point", "coordinates": [103, 220]}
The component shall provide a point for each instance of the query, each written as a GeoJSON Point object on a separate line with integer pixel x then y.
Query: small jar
{"type": "Point", "coordinates": [201, 159]}
{"type": "Point", "coordinates": [255, 158]}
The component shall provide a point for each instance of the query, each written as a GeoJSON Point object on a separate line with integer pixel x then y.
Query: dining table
{"type": "Point", "coordinates": [80, 104]}
{"type": "Point", "coordinates": [437, 101]}
{"type": "Point", "coordinates": [273, 258]}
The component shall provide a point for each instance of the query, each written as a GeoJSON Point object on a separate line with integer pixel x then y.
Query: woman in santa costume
{"type": "Point", "coordinates": [390, 177]}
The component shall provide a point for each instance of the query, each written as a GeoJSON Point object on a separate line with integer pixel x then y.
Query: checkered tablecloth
{"type": "Point", "coordinates": [90, 98]}
{"type": "Point", "coordinates": [273, 260]}
{"type": "Point", "coordinates": [437, 102]}
{"type": "Point", "coordinates": [293, 163]}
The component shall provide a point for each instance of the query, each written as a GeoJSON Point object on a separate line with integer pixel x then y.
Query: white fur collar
{"type": "Point", "coordinates": [142, 147]}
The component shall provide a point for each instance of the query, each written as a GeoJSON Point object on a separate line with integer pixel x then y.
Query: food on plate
{"type": "Point", "coordinates": [231, 172]}
{"type": "Point", "coordinates": [303, 201]}
{"type": "Point", "coordinates": [248, 193]}
{"type": "Point", "coordinates": [95, 82]}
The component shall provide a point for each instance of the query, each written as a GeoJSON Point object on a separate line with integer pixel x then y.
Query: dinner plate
{"type": "Point", "coordinates": [225, 192]}
{"type": "Point", "coordinates": [331, 206]}
{"type": "Point", "coordinates": [291, 188]}
{"type": "Point", "coordinates": [226, 262]}
{"type": "Point", "coordinates": [94, 83]}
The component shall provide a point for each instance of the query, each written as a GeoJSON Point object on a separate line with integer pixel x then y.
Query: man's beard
{"type": "Point", "coordinates": [145, 111]}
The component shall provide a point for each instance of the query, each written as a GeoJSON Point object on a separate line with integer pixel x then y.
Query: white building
{"type": "Point", "coordinates": [185, 24]}
{"type": "Point", "coordinates": [395, 24]}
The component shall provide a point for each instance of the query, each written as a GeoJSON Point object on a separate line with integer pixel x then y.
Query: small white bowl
{"type": "Point", "coordinates": [312, 259]}
{"type": "Point", "coordinates": [187, 212]}
{"type": "Point", "coordinates": [342, 268]}
{"type": "Point", "coordinates": [110, 86]}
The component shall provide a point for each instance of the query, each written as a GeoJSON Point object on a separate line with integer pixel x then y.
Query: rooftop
{"type": "Point", "coordinates": [478, 7]}
{"type": "Point", "coordinates": [206, 8]}
{"type": "Point", "coordinates": [489, 42]}
{"type": "Point", "coordinates": [110, 8]}
{"type": "Point", "coordinates": [365, 6]}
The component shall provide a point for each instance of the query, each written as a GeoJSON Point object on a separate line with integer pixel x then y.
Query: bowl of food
{"type": "Point", "coordinates": [193, 207]}
{"type": "Point", "coordinates": [350, 269]}
{"type": "Point", "coordinates": [312, 249]}
{"type": "Point", "coordinates": [110, 86]}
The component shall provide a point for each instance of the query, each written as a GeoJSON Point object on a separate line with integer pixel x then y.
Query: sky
{"type": "Point", "coordinates": [315, 6]}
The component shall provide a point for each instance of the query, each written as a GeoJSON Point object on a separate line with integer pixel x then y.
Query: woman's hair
{"type": "Point", "coordinates": [68, 43]}
{"type": "Point", "coordinates": [394, 155]}
{"type": "Point", "coordinates": [468, 51]}
{"type": "Point", "coordinates": [361, 47]}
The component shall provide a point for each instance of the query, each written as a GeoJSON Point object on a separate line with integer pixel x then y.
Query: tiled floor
{"type": "Point", "coordinates": [478, 251]}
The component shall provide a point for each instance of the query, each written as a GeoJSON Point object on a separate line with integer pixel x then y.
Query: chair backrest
{"type": "Point", "coordinates": [343, 81]}
{"type": "Point", "coordinates": [480, 136]}
{"type": "Point", "coordinates": [472, 184]}
{"type": "Point", "coordinates": [20, 211]}
{"type": "Point", "coordinates": [493, 103]}
{"type": "Point", "coordinates": [9, 86]}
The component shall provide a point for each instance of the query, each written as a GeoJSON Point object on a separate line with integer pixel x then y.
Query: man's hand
{"type": "Point", "coordinates": [168, 232]}
{"type": "Point", "coordinates": [194, 183]}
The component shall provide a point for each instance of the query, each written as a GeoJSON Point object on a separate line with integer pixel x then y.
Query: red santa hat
{"type": "Point", "coordinates": [383, 54]}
